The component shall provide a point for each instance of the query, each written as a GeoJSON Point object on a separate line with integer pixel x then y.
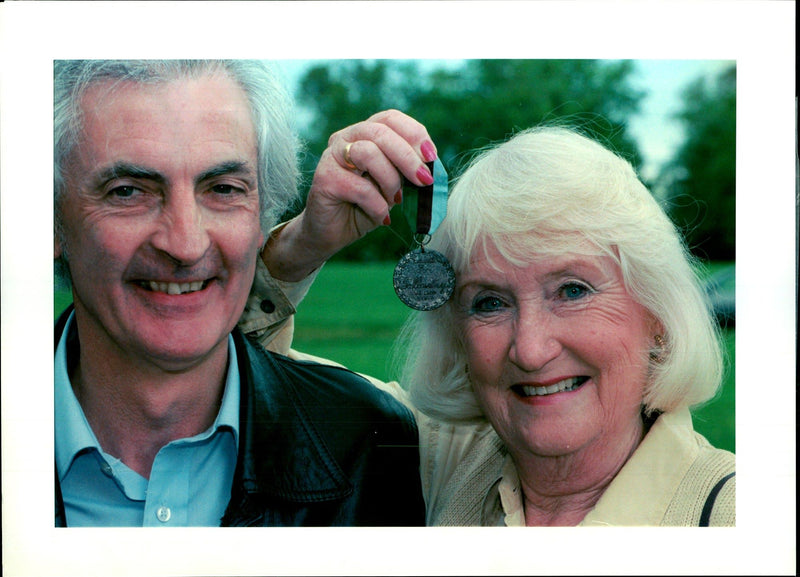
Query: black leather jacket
{"type": "Point", "coordinates": [318, 446]}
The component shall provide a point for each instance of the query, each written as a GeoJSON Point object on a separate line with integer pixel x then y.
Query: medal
{"type": "Point", "coordinates": [424, 279]}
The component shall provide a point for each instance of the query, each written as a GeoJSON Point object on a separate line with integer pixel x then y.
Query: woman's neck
{"type": "Point", "coordinates": [561, 491]}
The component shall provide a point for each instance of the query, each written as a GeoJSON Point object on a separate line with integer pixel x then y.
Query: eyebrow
{"type": "Point", "coordinates": [131, 170]}
{"type": "Point", "coordinates": [592, 263]}
{"type": "Point", "coordinates": [225, 168]}
{"type": "Point", "coordinates": [568, 265]}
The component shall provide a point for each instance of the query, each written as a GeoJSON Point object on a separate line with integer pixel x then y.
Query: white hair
{"type": "Point", "coordinates": [271, 110]}
{"type": "Point", "coordinates": [549, 190]}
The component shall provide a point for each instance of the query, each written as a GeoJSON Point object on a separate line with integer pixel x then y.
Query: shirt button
{"type": "Point", "coordinates": [107, 470]}
{"type": "Point", "coordinates": [267, 306]}
{"type": "Point", "coordinates": [163, 514]}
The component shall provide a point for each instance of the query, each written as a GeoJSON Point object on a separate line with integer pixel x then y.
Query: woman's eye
{"type": "Point", "coordinates": [487, 304]}
{"type": "Point", "coordinates": [573, 291]}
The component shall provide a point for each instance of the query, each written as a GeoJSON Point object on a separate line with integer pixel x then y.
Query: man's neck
{"type": "Point", "coordinates": [135, 409]}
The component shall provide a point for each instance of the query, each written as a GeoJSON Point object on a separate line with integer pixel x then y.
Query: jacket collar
{"type": "Point", "coordinates": [281, 455]}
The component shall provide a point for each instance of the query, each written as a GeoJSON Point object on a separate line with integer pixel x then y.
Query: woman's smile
{"type": "Point", "coordinates": [564, 385]}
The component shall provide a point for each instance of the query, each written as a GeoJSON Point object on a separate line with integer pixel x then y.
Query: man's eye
{"type": "Point", "coordinates": [124, 191]}
{"type": "Point", "coordinates": [574, 291]}
{"type": "Point", "coordinates": [226, 189]}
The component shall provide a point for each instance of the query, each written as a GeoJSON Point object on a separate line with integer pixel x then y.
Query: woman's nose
{"type": "Point", "coordinates": [535, 341]}
{"type": "Point", "coordinates": [182, 233]}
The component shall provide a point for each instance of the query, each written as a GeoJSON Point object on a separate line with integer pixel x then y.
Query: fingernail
{"type": "Point", "coordinates": [428, 151]}
{"type": "Point", "coordinates": [424, 175]}
{"type": "Point", "coordinates": [387, 221]}
{"type": "Point", "coordinates": [398, 197]}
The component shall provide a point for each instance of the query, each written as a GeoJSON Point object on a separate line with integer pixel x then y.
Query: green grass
{"type": "Point", "coordinates": [716, 420]}
{"type": "Point", "coordinates": [352, 316]}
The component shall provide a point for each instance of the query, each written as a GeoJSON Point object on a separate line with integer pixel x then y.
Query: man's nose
{"type": "Point", "coordinates": [182, 232]}
{"type": "Point", "coordinates": [535, 340]}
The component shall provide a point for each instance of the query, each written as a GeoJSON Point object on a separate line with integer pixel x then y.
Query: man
{"type": "Point", "coordinates": [168, 177]}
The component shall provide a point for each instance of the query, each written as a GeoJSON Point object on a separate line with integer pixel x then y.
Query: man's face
{"type": "Point", "coordinates": [161, 219]}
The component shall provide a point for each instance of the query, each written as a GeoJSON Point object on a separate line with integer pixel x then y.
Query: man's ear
{"type": "Point", "coordinates": [57, 250]}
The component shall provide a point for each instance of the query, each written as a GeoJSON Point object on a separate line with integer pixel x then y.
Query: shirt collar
{"type": "Point", "coordinates": [643, 489]}
{"type": "Point", "coordinates": [72, 431]}
{"type": "Point", "coordinates": [510, 493]}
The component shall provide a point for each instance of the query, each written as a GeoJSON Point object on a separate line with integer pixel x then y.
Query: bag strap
{"type": "Point", "coordinates": [705, 515]}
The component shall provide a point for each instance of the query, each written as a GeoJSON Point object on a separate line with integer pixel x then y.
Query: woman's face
{"type": "Point", "coordinates": [557, 351]}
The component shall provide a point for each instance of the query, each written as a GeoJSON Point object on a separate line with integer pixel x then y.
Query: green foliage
{"type": "Point", "coordinates": [701, 179]}
{"type": "Point", "coordinates": [465, 108]}
{"type": "Point", "coordinates": [488, 100]}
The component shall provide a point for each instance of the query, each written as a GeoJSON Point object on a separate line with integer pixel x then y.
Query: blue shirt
{"type": "Point", "coordinates": [190, 482]}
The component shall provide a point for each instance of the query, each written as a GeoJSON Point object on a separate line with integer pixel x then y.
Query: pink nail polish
{"type": "Point", "coordinates": [428, 151]}
{"type": "Point", "coordinates": [424, 175]}
{"type": "Point", "coordinates": [398, 197]}
{"type": "Point", "coordinates": [387, 221]}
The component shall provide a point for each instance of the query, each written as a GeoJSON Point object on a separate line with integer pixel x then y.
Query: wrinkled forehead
{"type": "Point", "coordinates": [214, 91]}
{"type": "Point", "coordinates": [212, 94]}
{"type": "Point", "coordinates": [156, 122]}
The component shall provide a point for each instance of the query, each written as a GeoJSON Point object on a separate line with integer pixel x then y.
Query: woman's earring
{"type": "Point", "coordinates": [657, 352]}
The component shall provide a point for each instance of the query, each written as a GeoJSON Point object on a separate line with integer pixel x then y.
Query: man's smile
{"type": "Point", "coordinates": [174, 288]}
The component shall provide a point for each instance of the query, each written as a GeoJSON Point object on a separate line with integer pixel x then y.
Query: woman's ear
{"type": "Point", "coordinates": [655, 326]}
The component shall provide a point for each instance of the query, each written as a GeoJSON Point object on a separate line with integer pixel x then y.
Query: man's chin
{"type": "Point", "coordinates": [184, 347]}
{"type": "Point", "coordinates": [183, 360]}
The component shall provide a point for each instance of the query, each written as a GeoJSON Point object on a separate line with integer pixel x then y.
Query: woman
{"type": "Point", "coordinates": [575, 343]}
{"type": "Point", "coordinates": [554, 387]}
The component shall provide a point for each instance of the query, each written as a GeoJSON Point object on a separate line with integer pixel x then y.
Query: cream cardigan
{"type": "Point", "coordinates": [665, 482]}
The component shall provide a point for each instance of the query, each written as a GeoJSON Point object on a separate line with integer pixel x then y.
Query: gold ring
{"type": "Point", "coordinates": [347, 161]}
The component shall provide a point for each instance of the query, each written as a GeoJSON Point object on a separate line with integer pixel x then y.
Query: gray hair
{"type": "Point", "coordinates": [548, 190]}
{"type": "Point", "coordinates": [271, 110]}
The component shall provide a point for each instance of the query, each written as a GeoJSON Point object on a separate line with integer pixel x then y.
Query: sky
{"type": "Point", "coordinates": [654, 128]}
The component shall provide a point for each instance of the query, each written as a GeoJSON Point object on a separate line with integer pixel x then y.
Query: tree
{"type": "Point", "coordinates": [701, 178]}
{"type": "Point", "coordinates": [489, 100]}
{"type": "Point", "coordinates": [466, 108]}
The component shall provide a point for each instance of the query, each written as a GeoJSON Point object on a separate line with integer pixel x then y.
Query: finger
{"type": "Point", "coordinates": [370, 161]}
{"type": "Point", "coordinates": [348, 161]}
{"type": "Point", "coordinates": [410, 129]}
{"type": "Point", "coordinates": [345, 186]}
{"type": "Point", "coordinates": [370, 144]}
{"type": "Point", "coordinates": [365, 195]}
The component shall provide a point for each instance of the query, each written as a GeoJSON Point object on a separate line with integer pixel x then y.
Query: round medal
{"type": "Point", "coordinates": [424, 279]}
